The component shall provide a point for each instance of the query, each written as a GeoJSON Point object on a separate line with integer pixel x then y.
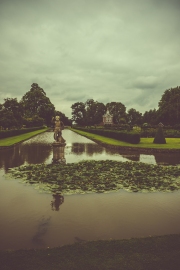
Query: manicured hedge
{"type": "Point", "coordinates": [131, 137]}
{"type": "Point", "coordinates": [168, 133]}
{"type": "Point", "coordinates": [15, 132]}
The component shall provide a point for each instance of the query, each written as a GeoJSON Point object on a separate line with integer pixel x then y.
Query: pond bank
{"type": "Point", "coordinates": [119, 145]}
{"type": "Point", "coordinates": [160, 252]}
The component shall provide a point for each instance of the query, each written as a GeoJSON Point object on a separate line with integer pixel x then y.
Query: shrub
{"type": "Point", "coordinates": [15, 132]}
{"type": "Point", "coordinates": [131, 137]}
{"type": "Point", "coordinates": [159, 137]}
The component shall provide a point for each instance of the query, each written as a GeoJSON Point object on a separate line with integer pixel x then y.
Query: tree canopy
{"type": "Point", "coordinates": [35, 102]}
{"type": "Point", "coordinates": [34, 109]}
{"type": "Point", "coordinates": [169, 106]}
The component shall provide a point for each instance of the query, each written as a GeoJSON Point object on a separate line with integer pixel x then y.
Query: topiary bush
{"type": "Point", "coordinates": [159, 137]}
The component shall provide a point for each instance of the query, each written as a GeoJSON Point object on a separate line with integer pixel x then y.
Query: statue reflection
{"type": "Point", "coordinates": [58, 154]}
{"type": "Point", "coordinates": [57, 201]}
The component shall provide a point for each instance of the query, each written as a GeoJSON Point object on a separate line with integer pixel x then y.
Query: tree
{"type": "Point", "coordinates": [118, 110]}
{"type": "Point", "coordinates": [94, 112]}
{"type": "Point", "coordinates": [11, 113]}
{"type": "Point", "coordinates": [7, 120]}
{"type": "Point", "coordinates": [150, 117]}
{"type": "Point", "coordinates": [169, 106]}
{"type": "Point", "coordinates": [79, 113]}
{"type": "Point", "coordinates": [35, 102]}
{"type": "Point", "coordinates": [63, 118]}
{"type": "Point", "coordinates": [100, 110]}
{"type": "Point", "coordinates": [35, 121]}
{"type": "Point", "coordinates": [134, 117]}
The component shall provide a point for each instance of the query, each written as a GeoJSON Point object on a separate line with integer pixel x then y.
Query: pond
{"type": "Point", "coordinates": [30, 219]}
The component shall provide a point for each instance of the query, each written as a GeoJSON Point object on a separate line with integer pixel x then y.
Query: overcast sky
{"type": "Point", "coordinates": [108, 50]}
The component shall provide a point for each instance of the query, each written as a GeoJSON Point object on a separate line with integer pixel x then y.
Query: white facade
{"type": "Point", "coordinates": [107, 118]}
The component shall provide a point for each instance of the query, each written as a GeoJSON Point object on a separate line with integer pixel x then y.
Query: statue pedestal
{"type": "Point", "coordinates": [58, 144]}
{"type": "Point", "coordinates": [58, 152]}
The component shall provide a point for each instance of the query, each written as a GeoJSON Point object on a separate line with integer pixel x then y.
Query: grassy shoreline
{"type": "Point", "coordinates": [172, 144]}
{"type": "Point", "coordinates": [11, 141]}
{"type": "Point", "coordinates": [158, 252]}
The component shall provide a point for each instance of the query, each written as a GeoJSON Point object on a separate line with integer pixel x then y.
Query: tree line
{"type": "Point", "coordinates": [34, 109]}
{"type": "Point", "coordinates": [91, 112]}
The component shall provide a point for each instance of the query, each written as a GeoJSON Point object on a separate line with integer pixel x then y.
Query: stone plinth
{"type": "Point", "coordinates": [58, 152]}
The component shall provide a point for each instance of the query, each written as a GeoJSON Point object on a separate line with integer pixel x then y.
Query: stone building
{"type": "Point", "coordinates": [108, 118]}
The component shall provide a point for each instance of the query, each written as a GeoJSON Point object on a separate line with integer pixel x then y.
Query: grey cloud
{"type": "Point", "coordinates": [106, 50]}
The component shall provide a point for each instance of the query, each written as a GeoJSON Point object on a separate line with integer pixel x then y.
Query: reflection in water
{"type": "Point", "coordinates": [57, 201]}
{"type": "Point", "coordinates": [41, 231]}
{"type": "Point", "coordinates": [39, 150]}
{"type": "Point", "coordinates": [82, 217]}
{"type": "Point", "coordinates": [58, 154]}
{"type": "Point", "coordinates": [167, 159]}
{"type": "Point", "coordinates": [130, 155]}
{"type": "Point", "coordinates": [94, 149]}
{"type": "Point", "coordinates": [78, 148]}
{"type": "Point", "coordinates": [31, 153]}
{"type": "Point", "coordinates": [88, 148]}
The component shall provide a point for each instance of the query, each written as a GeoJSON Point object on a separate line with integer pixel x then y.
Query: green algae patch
{"type": "Point", "coordinates": [99, 176]}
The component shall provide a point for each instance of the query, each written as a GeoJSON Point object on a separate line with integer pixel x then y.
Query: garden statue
{"type": "Point", "coordinates": [58, 127]}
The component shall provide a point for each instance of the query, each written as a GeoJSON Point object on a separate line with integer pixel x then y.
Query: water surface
{"type": "Point", "coordinates": [30, 219]}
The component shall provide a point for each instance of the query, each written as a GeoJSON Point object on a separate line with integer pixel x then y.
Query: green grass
{"type": "Point", "coordinates": [171, 143]}
{"type": "Point", "coordinates": [16, 139]}
{"type": "Point", "coordinates": [151, 253]}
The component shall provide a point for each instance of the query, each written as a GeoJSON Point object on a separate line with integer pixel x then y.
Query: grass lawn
{"type": "Point", "coordinates": [151, 253]}
{"type": "Point", "coordinates": [16, 139]}
{"type": "Point", "coordinates": [171, 143]}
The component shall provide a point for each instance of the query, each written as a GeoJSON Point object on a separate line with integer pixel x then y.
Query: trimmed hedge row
{"type": "Point", "coordinates": [15, 132]}
{"type": "Point", "coordinates": [171, 133]}
{"type": "Point", "coordinates": [130, 137]}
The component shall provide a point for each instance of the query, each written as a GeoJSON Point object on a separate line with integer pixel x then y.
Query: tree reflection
{"type": "Point", "coordinates": [31, 153]}
{"type": "Point", "coordinates": [57, 201]}
{"type": "Point", "coordinates": [78, 148]}
{"type": "Point", "coordinates": [88, 148]}
{"type": "Point", "coordinates": [167, 158]}
{"type": "Point", "coordinates": [11, 157]}
{"type": "Point", "coordinates": [131, 155]}
{"type": "Point", "coordinates": [93, 149]}
{"type": "Point", "coordinates": [36, 152]}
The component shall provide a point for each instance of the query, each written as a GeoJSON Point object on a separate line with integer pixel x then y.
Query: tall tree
{"type": "Point", "coordinates": [35, 102]}
{"type": "Point", "coordinates": [64, 118]}
{"type": "Point", "coordinates": [118, 110]}
{"type": "Point", "coordinates": [79, 113]}
{"type": "Point", "coordinates": [11, 113]}
{"type": "Point", "coordinates": [169, 106]}
{"type": "Point", "coordinates": [134, 117]}
{"type": "Point", "coordinates": [94, 112]}
{"type": "Point", "coordinates": [151, 117]}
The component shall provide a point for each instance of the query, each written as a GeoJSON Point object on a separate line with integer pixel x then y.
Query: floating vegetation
{"type": "Point", "coordinates": [99, 176]}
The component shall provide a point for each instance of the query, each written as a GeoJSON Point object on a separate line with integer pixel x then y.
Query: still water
{"type": "Point", "coordinates": [30, 219]}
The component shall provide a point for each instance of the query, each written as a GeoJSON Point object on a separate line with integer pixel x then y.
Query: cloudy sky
{"type": "Point", "coordinates": [109, 50]}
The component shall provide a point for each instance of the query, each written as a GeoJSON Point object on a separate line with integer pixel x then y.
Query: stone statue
{"type": "Point", "coordinates": [58, 127]}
